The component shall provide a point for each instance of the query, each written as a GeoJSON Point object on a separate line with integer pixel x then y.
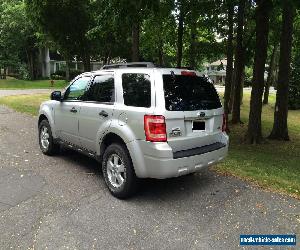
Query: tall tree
{"type": "Point", "coordinates": [239, 64]}
{"type": "Point", "coordinates": [271, 73]}
{"type": "Point", "coordinates": [254, 134]}
{"type": "Point", "coordinates": [66, 23]}
{"type": "Point", "coordinates": [193, 37]}
{"type": "Point", "coordinates": [17, 39]}
{"type": "Point", "coordinates": [229, 53]}
{"type": "Point", "coordinates": [280, 128]}
{"type": "Point", "coordinates": [158, 39]}
{"type": "Point", "coordinates": [180, 30]}
{"type": "Point", "coordinates": [135, 42]}
{"type": "Point", "coordinates": [274, 37]}
{"type": "Point", "coordinates": [133, 13]}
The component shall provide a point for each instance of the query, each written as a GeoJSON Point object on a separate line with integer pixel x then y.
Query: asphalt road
{"type": "Point", "coordinates": [61, 202]}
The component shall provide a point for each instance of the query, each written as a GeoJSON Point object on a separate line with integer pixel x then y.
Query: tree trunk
{"type": "Point", "coordinates": [68, 70]}
{"type": "Point", "coordinates": [193, 45]}
{"type": "Point", "coordinates": [242, 86]}
{"type": "Point", "coordinates": [229, 68]}
{"type": "Point", "coordinates": [160, 54]}
{"type": "Point", "coordinates": [239, 64]}
{"type": "Point", "coordinates": [271, 74]}
{"type": "Point", "coordinates": [4, 73]}
{"type": "Point", "coordinates": [135, 42]}
{"type": "Point", "coordinates": [280, 128]}
{"type": "Point", "coordinates": [86, 61]}
{"type": "Point", "coordinates": [180, 36]}
{"type": "Point", "coordinates": [254, 134]}
{"type": "Point", "coordinates": [31, 65]}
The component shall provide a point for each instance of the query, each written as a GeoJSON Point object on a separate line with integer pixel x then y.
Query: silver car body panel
{"type": "Point", "coordinates": [87, 128]}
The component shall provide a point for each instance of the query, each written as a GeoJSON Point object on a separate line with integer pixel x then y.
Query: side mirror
{"type": "Point", "coordinates": [56, 96]}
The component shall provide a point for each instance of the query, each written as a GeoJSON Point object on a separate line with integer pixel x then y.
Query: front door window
{"type": "Point", "coordinates": [76, 91]}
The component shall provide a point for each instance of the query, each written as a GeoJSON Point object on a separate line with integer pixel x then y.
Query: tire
{"type": "Point", "coordinates": [46, 141]}
{"type": "Point", "coordinates": [118, 171]}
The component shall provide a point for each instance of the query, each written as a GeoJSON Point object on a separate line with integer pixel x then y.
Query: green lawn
{"type": "Point", "coordinates": [25, 103]}
{"type": "Point", "coordinates": [12, 83]}
{"type": "Point", "coordinates": [273, 165]}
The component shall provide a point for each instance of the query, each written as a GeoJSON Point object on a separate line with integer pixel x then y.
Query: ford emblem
{"type": "Point", "coordinates": [201, 114]}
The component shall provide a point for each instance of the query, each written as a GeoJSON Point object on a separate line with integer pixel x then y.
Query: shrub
{"type": "Point", "coordinates": [61, 74]}
{"type": "Point", "coordinates": [57, 77]}
{"type": "Point", "coordinates": [23, 72]}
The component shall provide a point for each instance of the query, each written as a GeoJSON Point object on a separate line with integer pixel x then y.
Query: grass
{"type": "Point", "coordinates": [272, 165]}
{"type": "Point", "coordinates": [25, 103]}
{"type": "Point", "coordinates": [12, 83]}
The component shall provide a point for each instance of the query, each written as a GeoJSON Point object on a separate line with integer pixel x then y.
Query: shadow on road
{"type": "Point", "coordinates": [150, 189]}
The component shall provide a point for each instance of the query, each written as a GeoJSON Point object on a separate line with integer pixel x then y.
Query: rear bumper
{"type": "Point", "coordinates": [159, 161]}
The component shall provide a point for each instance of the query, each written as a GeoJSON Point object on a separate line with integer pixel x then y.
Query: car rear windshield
{"type": "Point", "coordinates": [188, 93]}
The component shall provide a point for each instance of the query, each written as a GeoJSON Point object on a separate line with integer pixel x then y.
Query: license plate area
{"type": "Point", "coordinates": [198, 125]}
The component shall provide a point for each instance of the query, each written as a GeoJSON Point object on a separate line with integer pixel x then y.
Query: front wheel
{"type": "Point", "coordinates": [118, 171]}
{"type": "Point", "coordinates": [46, 141]}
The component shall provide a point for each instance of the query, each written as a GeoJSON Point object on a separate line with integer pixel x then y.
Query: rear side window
{"type": "Point", "coordinates": [136, 90]}
{"type": "Point", "coordinates": [188, 93]}
{"type": "Point", "coordinates": [102, 89]}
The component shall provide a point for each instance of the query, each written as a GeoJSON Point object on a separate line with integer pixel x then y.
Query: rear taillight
{"type": "Point", "coordinates": [155, 128]}
{"type": "Point", "coordinates": [224, 124]}
{"type": "Point", "coordinates": [188, 73]}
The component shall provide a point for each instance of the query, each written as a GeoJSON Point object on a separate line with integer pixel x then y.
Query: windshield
{"type": "Point", "coordinates": [188, 93]}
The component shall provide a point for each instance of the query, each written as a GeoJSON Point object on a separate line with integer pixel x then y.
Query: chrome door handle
{"type": "Point", "coordinates": [73, 110]}
{"type": "Point", "coordinates": [103, 113]}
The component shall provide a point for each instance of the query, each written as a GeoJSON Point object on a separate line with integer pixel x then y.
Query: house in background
{"type": "Point", "coordinates": [51, 62]}
{"type": "Point", "coordinates": [216, 71]}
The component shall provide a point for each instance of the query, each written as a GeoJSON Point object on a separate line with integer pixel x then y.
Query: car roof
{"type": "Point", "coordinates": [177, 71]}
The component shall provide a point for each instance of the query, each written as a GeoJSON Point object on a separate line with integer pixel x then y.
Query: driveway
{"type": "Point", "coordinates": [61, 203]}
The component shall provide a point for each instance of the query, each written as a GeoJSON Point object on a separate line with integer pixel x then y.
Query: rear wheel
{"type": "Point", "coordinates": [118, 171]}
{"type": "Point", "coordinates": [47, 145]}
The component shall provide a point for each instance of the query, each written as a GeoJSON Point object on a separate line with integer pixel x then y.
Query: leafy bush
{"type": "Point", "coordinates": [61, 74]}
{"type": "Point", "coordinates": [57, 77]}
{"type": "Point", "coordinates": [294, 87]}
{"type": "Point", "coordinates": [23, 72]}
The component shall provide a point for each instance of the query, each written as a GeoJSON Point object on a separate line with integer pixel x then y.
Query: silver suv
{"type": "Point", "coordinates": [138, 121]}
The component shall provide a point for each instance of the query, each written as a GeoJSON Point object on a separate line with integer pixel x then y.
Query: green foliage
{"type": "Point", "coordinates": [158, 36]}
{"type": "Point", "coordinates": [23, 72]}
{"type": "Point", "coordinates": [65, 22]}
{"type": "Point", "coordinates": [16, 33]}
{"type": "Point", "coordinates": [61, 74]}
{"type": "Point", "coordinates": [294, 87]}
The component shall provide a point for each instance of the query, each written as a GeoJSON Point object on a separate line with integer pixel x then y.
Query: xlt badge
{"type": "Point", "coordinates": [175, 132]}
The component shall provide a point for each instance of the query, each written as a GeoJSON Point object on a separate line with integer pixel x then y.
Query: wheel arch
{"type": "Point", "coordinates": [46, 114]}
{"type": "Point", "coordinates": [131, 147]}
{"type": "Point", "coordinates": [42, 117]}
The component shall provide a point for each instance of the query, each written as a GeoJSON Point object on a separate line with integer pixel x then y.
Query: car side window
{"type": "Point", "coordinates": [136, 90]}
{"type": "Point", "coordinates": [77, 89]}
{"type": "Point", "coordinates": [102, 89]}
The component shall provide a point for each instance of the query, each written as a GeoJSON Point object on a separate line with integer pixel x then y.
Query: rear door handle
{"type": "Point", "coordinates": [73, 110]}
{"type": "Point", "coordinates": [103, 113]}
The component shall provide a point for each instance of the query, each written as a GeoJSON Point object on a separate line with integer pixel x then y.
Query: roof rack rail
{"type": "Point", "coordinates": [129, 65]}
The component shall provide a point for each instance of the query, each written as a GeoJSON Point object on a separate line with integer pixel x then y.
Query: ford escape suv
{"type": "Point", "coordinates": [138, 121]}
